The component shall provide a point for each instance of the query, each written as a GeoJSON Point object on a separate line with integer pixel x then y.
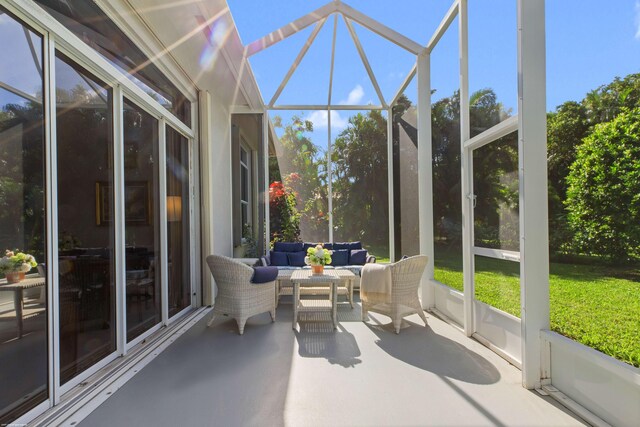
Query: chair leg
{"type": "Point", "coordinates": [241, 322]}
{"type": "Point", "coordinates": [397, 321]}
{"type": "Point", "coordinates": [210, 322]}
{"type": "Point", "coordinates": [273, 315]}
{"type": "Point", "coordinates": [365, 313]}
{"type": "Point", "coordinates": [423, 316]}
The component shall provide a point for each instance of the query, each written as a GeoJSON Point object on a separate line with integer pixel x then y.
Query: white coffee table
{"type": "Point", "coordinates": [306, 278]}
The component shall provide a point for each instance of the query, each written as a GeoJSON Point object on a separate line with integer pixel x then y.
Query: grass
{"type": "Point", "coordinates": [596, 305]}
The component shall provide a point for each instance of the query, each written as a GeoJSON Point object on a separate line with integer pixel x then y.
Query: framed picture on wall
{"type": "Point", "coordinates": [137, 203]}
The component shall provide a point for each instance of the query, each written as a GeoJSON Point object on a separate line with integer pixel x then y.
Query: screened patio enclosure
{"type": "Point", "coordinates": [132, 149]}
{"type": "Point", "coordinates": [511, 236]}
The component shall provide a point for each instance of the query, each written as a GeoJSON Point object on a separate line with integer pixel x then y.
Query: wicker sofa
{"type": "Point", "coordinates": [290, 256]}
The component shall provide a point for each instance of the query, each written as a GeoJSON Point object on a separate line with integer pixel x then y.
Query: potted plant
{"type": "Point", "coordinates": [15, 264]}
{"type": "Point", "coordinates": [317, 258]}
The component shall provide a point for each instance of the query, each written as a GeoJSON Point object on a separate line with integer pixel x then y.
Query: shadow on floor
{"type": "Point", "coordinates": [421, 347]}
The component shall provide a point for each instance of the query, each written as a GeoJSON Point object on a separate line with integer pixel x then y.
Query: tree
{"type": "Point", "coordinates": [603, 195]}
{"type": "Point", "coordinates": [360, 181]}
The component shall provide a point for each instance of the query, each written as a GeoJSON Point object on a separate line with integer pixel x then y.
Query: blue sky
{"type": "Point", "coordinates": [589, 42]}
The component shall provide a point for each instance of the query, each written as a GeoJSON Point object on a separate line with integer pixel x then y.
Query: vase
{"type": "Point", "coordinates": [317, 269]}
{"type": "Point", "coordinates": [14, 276]}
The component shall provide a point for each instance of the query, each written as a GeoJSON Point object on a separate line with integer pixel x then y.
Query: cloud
{"type": "Point", "coordinates": [355, 96]}
{"type": "Point", "coordinates": [320, 120]}
{"type": "Point", "coordinates": [637, 19]}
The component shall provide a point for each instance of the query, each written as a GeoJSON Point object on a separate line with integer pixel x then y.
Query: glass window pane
{"type": "Point", "coordinates": [497, 283]}
{"type": "Point", "coordinates": [495, 187]}
{"type": "Point", "coordinates": [493, 67]}
{"type": "Point", "coordinates": [87, 21]}
{"type": "Point", "coordinates": [142, 219]}
{"type": "Point", "coordinates": [360, 182]}
{"type": "Point", "coordinates": [23, 336]}
{"type": "Point", "coordinates": [445, 129]}
{"type": "Point", "coordinates": [298, 178]}
{"type": "Point", "coordinates": [85, 218]}
{"type": "Point", "coordinates": [178, 224]}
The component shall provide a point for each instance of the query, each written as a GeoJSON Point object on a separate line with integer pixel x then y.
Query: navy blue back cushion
{"type": "Point", "coordinates": [287, 246]}
{"type": "Point", "coordinates": [279, 258]}
{"type": "Point", "coordinates": [340, 257]}
{"type": "Point", "coordinates": [358, 257]}
{"type": "Point", "coordinates": [264, 274]}
{"type": "Point", "coordinates": [308, 245]}
{"type": "Point", "coordinates": [348, 245]}
{"type": "Point", "coordinates": [296, 259]}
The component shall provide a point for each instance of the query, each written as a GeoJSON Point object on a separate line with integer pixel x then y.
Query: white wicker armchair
{"type": "Point", "coordinates": [237, 296]}
{"type": "Point", "coordinates": [403, 301]}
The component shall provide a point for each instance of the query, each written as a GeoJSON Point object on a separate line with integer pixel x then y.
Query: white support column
{"type": "Point", "coordinates": [329, 177]}
{"type": "Point", "coordinates": [206, 200]}
{"type": "Point", "coordinates": [466, 171]}
{"type": "Point", "coordinates": [392, 219]}
{"type": "Point", "coordinates": [425, 176]}
{"type": "Point", "coordinates": [265, 149]}
{"type": "Point", "coordinates": [532, 153]}
{"type": "Point", "coordinates": [164, 247]}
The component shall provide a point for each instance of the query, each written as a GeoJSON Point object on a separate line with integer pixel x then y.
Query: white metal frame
{"type": "Point", "coordinates": [57, 38]}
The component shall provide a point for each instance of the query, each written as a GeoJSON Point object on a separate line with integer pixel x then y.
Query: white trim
{"type": "Point", "coordinates": [337, 107]}
{"type": "Point", "coordinates": [289, 29]}
{"type": "Point", "coordinates": [266, 120]}
{"type": "Point", "coordinates": [497, 254]}
{"type": "Point", "coordinates": [298, 60]}
{"type": "Point", "coordinates": [466, 172]}
{"type": "Point", "coordinates": [380, 29]}
{"type": "Point", "coordinates": [120, 278]}
{"type": "Point", "coordinates": [573, 406]}
{"type": "Point", "coordinates": [425, 176]}
{"type": "Point", "coordinates": [329, 176]}
{"type": "Point", "coordinates": [533, 207]}
{"type": "Point", "coordinates": [178, 316]}
{"type": "Point", "coordinates": [143, 336]}
{"type": "Point", "coordinates": [91, 370]}
{"type": "Point", "coordinates": [451, 14]}
{"type": "Point", "coordinates": [613, 366]}
{"type": "Point", "coordinates": [390, 195]}
{"type": "Point", "coordinates": [32, 414]}
{"type": "Point", "coordinates": [162, 194]}
{"type": "Point", "coordinates": [365, 61]}
{"type": "Point", "coordinates": [498, 131]}
{"type": "Point", "coordinates": [332, 63]}
{"type": "Point", "coordinates": [506, 356]}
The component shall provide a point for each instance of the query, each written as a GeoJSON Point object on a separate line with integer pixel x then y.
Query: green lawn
{"type": "Point", "coordinates": [596, 305]}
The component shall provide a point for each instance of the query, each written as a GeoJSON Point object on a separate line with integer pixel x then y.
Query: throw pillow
{"type": "Point", "coordinates": [340, 257]}
{"type": "Point", "coordinates": [296, 259]}
{"type": "Point", "coordinates": [264, 274]}
{"type": "Point", "coordinates": [358, 257]}
{"type": "Point", "coordinates": [279, 258]}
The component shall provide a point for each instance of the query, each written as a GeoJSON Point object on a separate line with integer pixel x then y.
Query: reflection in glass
{"type": "Point", "coordinates": [178, 225]}
{"type": "Point", "coordinates": [298, 183]}
{"type": "Point", "coordinates": [87, 21]}
{"type": "Point", "coordinates": [85, 219]}
{"type": "Point", "coordinates": [495, 187]}
{"type": "Point", "coordinates": [360, 183]}
{"type": "Point", "coordinates": [497, 283]}
{"type": "Point", "coordinates": [405, 178]}
{"type": "Point", "coordinates": [142, 219]}
{"type": "Point", "coordinates": [247, 185]}
{"type": "Point", "coordinates": [23, 337]}
{"type": "Point", "coordinates": [493, 67]}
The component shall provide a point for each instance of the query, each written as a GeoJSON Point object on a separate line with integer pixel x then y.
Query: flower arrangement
{"type": "Point", "coordinates": [16, 262]}
{"type": "Point", "coordinates": [318, 256]}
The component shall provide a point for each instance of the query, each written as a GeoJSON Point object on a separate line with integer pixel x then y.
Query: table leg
{"type": "Point", "coordinates": [17, 303]}
{"type": "Point", "coordinates": [334, 304]}
{"type": "Point", "coordinates": [351, 284]}
{"type": "Point", "coordinates": [296, 301]}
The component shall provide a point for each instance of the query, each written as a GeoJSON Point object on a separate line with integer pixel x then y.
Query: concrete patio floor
{"type": "Point", "coordinates": [360, 375]}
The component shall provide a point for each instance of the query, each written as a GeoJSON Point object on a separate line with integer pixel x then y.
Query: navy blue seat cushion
{"type": "Point", "coordinates": [348, 245]}
{"type": "Point", "coordinates": [296, 259]}
{"type": "Point", "coordinates": [358, 257]}
{"type": "Point", "coordinates": [264, 274]}
{"type": "Point", "coordinates": [340, 257]}
{"type": "Point", "coordinates": [279, 258]}
{"type": "Point", "coordinates": [288, 246]}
